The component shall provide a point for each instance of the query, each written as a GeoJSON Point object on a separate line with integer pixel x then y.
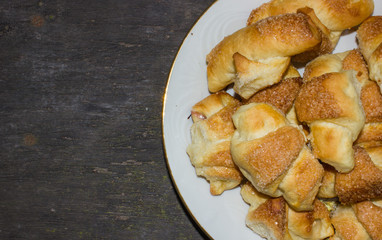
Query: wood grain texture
{"type": "Point", "coordinates": [81, 87]}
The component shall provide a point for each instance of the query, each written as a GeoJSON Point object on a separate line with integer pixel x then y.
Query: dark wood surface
{"type": "Point", "coordinates": [81, 88]}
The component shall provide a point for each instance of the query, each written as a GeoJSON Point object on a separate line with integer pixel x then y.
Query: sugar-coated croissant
{"type": "Point", "coordinates": [211, 133]}
{"type": "Point", "coordinates": [335, 15]}
{"type": "Point", "coordinates": [361, 221]}
{"type": "Point", "coordinates": [271, 153]}
{"type": "Point", "coordinates": [369, 215]}
{"type": "Point", "coordinates": [272, 218]}
{"type": "Point", "coordinates": [331, 17]}
{"type": "Point", "coordinates": [369, 35]}
{"type": "Point", "coordinates": [329, 103]}
{"type": "Point", "coordinates": [267, 44]}
{"type": "Point", "coordinates": [363, 182]}
{"type": "Point", "coordinates": [371, 99]}
{"type": "Point", "coordinates": [347, 225]}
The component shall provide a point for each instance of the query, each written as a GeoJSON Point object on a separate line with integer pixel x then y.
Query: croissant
{"type": "Point", "coordinates": [331, 18]}
{"type": "Point", "coordinates": [364, 181]}
{"type": "Point", "coordinates": [268, 44]}
{"type": "Point", "coordinates": [272, 218]}
{"type": "Point", "coordinates": [271, 153]}
{"type": "Point", "coordinates": [371, 99]}
{"type": "Point", "coordinates": [211, 133]}
{"type": "Point", "coordinates": [359, 221]}
{"type": "Point", "coordinates": [329, 103]}
{"type": "Point", "coordinates": [347, 225]}
{"type": "Point", "coordinates": [369, 36]}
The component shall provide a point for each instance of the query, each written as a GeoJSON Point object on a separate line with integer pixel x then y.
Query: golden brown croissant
{"type": "Point", "coordinates": [369, 35]}
{"type": "Point", "coordinates": [331, 17]}
{"type": "Point", "coordinates": [369, 215]}
{"type": "Point", "coordinates": [329, 103]}
{"type": "Point", "coordinates": [267, 44]}
{"type": "Point", "coordinates": [335, 15]}
{"type": "Point", "coordinates": [371, 98]}
{"type": "Point", "coordinates": [362, 183]}
{"type": "Point", "coordinates": [271, 153]}
{"type": "Point", "coordinates": [347, 225]}
{"type": "Point", "coordinates": [211, 133]}
{"type": "Point", "coordinates": [272, 218]}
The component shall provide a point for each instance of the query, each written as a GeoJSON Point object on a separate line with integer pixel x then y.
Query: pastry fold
{"type": "Point", "coordinates": [272, 218]}
{"type": "Point", "coordinates": [329, 103]}
{"type": "Point", "coordinates": [271, 153]}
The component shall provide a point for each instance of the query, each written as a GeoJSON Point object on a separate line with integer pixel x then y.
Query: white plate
{"type": "Point", "coordinates": [221, 217]}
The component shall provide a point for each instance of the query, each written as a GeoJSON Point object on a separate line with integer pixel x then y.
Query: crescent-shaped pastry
{"type": "Point", "coordinates": [265, 43]}
{"type": "Point", "coordinates": [271, 153]}
{"type": "Point", "coordinates": [329, 103]}
{"type": "Point", "coordinates": [363, 182]}
{"type": "Point", "coordinates": [272, 218]}
{"type": "Point", "coordinates": [211, 134]}
{"type": "Point", "coordinates": [331, 18]}
{"type": "Point", "coordinates": [369, 35]}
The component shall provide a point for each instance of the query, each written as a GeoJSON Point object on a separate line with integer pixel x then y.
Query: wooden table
{"type": "Point", "coordinates": [81, 88]}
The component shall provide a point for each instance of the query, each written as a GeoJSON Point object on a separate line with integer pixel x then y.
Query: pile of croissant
{"type": "Point", "coordinates": [306, 150]}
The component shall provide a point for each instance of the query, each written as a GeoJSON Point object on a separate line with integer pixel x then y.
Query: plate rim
{"type": "Point", "coordinates": [164, 100]}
